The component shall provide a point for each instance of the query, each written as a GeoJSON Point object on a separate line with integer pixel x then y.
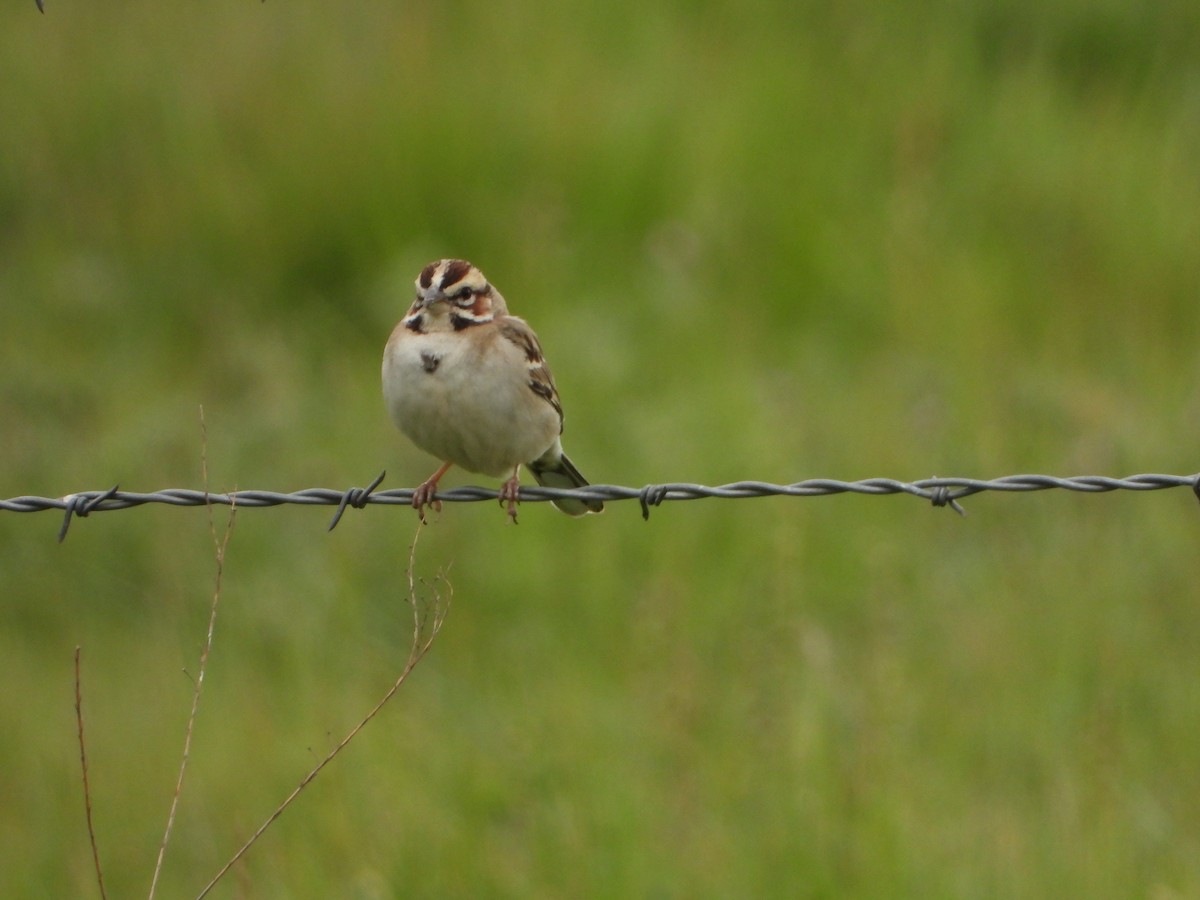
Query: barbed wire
{"type": "Point", "coordinates": [938, 491]}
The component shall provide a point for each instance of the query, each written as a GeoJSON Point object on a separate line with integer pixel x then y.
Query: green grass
{"type": "Point", "coordinates": [758, 240]}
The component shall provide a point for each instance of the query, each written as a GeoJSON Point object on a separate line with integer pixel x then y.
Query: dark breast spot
{"type": "Point", "coordinates": [430, 361]}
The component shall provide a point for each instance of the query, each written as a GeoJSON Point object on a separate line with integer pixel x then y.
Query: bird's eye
{"type": "Point", "coordinates": [463, 297]}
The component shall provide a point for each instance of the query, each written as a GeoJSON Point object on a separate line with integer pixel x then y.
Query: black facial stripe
{"type": "Point", "coordinates": [461, 321]}
{"type": "Point", "coordinates": [415, 323]}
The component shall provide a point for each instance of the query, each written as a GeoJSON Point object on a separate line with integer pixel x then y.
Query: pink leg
{"type": "Point", "coordinates": [509, 493]}
{"type": "Point", "coordinates": [424, 495]}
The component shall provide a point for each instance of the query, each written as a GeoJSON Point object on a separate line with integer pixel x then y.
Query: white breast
{"type": "Point", "coordinates": [464, 397]}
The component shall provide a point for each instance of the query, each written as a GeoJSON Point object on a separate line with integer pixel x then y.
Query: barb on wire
{"type": "Point", "coordinates": [938, 491]}
{"type": "Point", "coordinates": [356, 497]}
{"type": "Point", "coordinates": [942, 497]}
{"type": "Point", "coordinates": [82, 504]}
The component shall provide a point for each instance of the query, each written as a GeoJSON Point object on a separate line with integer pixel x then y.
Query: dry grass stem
{"type": "Point", "coordinates": [220, 545]}
{"type": "Point", "coordinates": [428, 617]}
{"type": "Point", "coordinates": [87, 792]}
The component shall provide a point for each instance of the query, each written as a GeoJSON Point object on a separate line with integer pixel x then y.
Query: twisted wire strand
{"type": "Point", "coordinates": [939, 491]}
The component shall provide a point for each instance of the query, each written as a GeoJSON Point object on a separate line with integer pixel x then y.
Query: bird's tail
{"type": "Point", "coordinates": [559, 472]}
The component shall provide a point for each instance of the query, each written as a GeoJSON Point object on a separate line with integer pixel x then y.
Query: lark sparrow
{"type": "Point", "coordinates": [467, 383]}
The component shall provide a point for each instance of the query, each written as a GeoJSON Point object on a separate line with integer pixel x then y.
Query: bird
{"type": "Point", "coordinates": [467, 383]}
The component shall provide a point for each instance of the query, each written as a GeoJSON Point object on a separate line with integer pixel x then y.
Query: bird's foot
{"type": "Point", "coordinates": [510, 494]}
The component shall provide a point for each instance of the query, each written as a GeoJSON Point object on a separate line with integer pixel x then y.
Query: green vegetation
{"type": "Point", "coordinates": [759, 240]}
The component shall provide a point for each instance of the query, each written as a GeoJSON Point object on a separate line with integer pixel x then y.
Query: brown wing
{"type": "Point", "coordinates": [541, 382]}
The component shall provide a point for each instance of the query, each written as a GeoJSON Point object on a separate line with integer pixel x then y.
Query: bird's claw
{"type": "Point", "coordinates": [424, 496]}
{"type": "Point", "coordinates": [510, 494]}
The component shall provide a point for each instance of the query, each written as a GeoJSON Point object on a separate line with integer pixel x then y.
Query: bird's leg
{"type": "Point", "coordinates": [424, 495]}
{"type": "Point", "coordinates": [509, 493]}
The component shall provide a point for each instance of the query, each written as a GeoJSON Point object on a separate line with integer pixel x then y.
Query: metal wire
{"type": "Point", "coordinates": [938, 491]}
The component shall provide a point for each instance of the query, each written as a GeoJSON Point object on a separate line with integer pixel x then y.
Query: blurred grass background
{"type": "Point", "coordinates": [759, 240]}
